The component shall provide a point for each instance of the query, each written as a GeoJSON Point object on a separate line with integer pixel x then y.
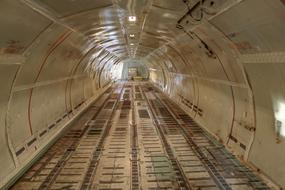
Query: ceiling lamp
{"type": "Point", "coordinates": [132, 35]}
{"type": "Point", "coordinates": [132, 18]}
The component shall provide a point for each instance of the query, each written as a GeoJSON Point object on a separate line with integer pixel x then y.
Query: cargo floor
{"type": "Point", "coordinates": [134, 137]}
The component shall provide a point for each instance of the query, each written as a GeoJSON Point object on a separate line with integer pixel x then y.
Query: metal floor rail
{"type": "Point", "coordinates": [135, 138]}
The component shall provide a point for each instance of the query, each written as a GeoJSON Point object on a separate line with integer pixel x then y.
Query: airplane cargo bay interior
{"type": "Point", "coordinates": [142, 94]}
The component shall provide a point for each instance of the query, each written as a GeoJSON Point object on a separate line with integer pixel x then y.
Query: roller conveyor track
{"type": "Point", "coordinates": [134, 137]}
{"type": "Point", "coordinates": [182, 182]}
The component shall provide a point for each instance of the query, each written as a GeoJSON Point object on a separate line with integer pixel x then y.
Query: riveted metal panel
{"type": "Point", "coordinates": [19, 26]}
{"type": "Point", "coordinates": [66, 7]}
{"type": "Point", "coordinates": [254, 26]}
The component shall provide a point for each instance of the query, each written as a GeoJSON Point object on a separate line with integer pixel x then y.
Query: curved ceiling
{"type": "Point", "coordinates": [221, 60]}
{"type": "Point", "coordinates": [106, 22]}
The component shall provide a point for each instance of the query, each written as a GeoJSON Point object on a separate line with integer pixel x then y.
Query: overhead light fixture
{"type": "Point", "coordinates": [132, 35]}
{"type": "Point", "coordinates": [132, 44]}
{"type": "Point", "coordinates": [132, 18]}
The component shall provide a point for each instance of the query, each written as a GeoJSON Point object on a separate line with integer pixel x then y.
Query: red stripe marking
{"type": "Point", "coordinates": [74, 69]}
{"type": "Point", "coordinates": [49, 52]}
